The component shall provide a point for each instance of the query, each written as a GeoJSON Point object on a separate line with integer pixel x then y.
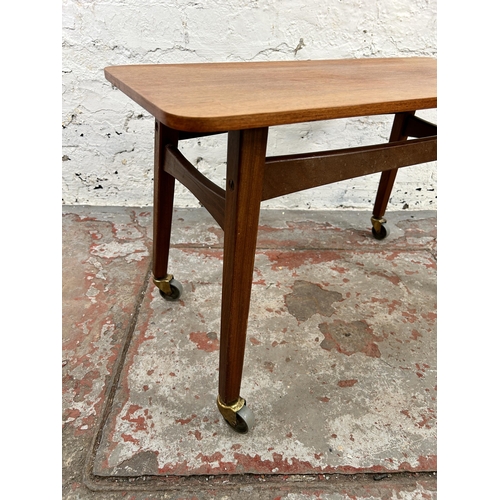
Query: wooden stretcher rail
{"type": "Point", "coordinates": [292, 173]}
{"type": "Point", "coordinates": [211, 196]}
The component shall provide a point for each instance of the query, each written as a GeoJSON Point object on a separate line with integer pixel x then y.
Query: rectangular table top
{"type": "Point", "coordinates": [212, 97]}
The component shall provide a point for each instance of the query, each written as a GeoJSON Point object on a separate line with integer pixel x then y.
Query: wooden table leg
{"type": "Point", "coordinates": [387, 179]}
{"type": "Point", "coordinates": [164, 185]}
{"type": "Point", "coordinates": [244, 181]}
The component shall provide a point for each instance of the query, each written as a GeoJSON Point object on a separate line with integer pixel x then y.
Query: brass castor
{"type": "Point", "coordinates": [170, 288]}
{"type": "Point", "coordinates": [238, 415]}
{"type": "Point", "coordinates": [378, 229]}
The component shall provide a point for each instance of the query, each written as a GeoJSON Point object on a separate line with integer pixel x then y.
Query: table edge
{"type": "Point", "coordinates": [226, 123]}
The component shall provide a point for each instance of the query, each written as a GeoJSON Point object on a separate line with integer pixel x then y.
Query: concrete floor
{"type": "Point", "coordinates": [340, 366]}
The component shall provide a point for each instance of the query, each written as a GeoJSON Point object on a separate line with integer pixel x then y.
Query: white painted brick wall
{"type": "Point", "coordinates": [108, 139]}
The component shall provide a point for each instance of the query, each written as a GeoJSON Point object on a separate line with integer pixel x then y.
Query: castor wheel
{"type": "Point", "coordinates": [245, 420]}
{"type": "Point", "coordinates": [176, 291]}
{"type": "Point", "coordinates": [238, 416]}
{"type": "Point", "coordinates": [169, 287]}
{"type": "Point", "coordinates": [378, 229]}
{"type": "Point", "coordinates": [380, 235]}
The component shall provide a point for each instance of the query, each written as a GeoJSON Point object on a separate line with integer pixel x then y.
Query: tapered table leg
{"type": "Point", "coordinates": [387, 179]}
{"type": "Point", "coordinates": [245, 173]}
{"type": "Point", "coordinates": [164, 185]}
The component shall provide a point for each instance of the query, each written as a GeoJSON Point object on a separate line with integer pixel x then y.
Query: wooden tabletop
{"type": "Point", "coordinates": [215, 97]}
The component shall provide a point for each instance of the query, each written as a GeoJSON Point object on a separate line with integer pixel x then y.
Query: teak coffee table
{"type": "Point", "coordinates": [244, 100]}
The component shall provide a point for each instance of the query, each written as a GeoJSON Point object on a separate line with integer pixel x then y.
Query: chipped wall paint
{"type": "Point", "coordinates": [108, 139]}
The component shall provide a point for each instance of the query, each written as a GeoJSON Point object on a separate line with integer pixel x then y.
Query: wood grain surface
{"type": "Point", "coordinates": [233, 96]}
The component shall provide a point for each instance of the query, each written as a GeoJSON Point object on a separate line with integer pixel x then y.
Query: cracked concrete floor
{"type": "Point", "coordinates": [340, 365]}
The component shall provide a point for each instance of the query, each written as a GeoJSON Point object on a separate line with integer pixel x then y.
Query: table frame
{"type": "Point", "coordinates": [251, 178]}
{"type": "Point", "coordinates": [222, 95]}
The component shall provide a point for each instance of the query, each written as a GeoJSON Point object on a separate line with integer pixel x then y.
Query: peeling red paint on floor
{"type": "Point", "coordinates": [286, 365]}
{"type": "Point", "coordinates": [360, 403]}
{"type": "Point", "coordinates": [293, 260]}
{"type": "Point", "coordinates": [347, 383]}
{"type": "Point", "coordinates": [207, 342]}
{"type": "Point", "coordinates": [348, 338]}
{"type": "Point", "coordinates": [218, 463]}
